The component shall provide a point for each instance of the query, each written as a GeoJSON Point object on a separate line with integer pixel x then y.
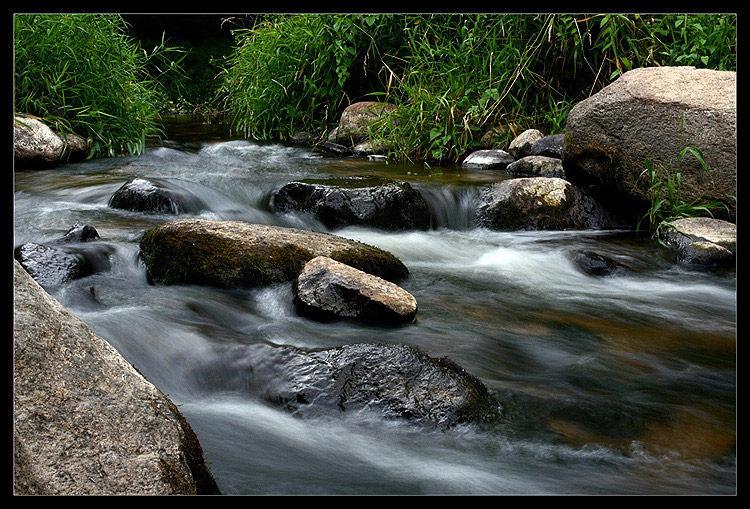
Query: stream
{"type": "Point", "coordinates": [622, 385]}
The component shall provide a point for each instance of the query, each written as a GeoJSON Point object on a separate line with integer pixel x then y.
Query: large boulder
{"type": "Point", "coordinates": [652, 113]}
{"type": "Point", "coordinates": [391, 381]}
{"type": "Point", "coordinates": [539, 203]}
{"type": "Point", "coordinates": [236, 254]}
{"type": "Point", "coordinates": [327, 289]}
{"type": "Point", "coordinates": [35, 145]}
{"type": "Point", "coordinates": [371, 201]}
{"type": "Point", "coordinates": [85, 421]}
{"type": "Point", "coordinates": [357, 118]}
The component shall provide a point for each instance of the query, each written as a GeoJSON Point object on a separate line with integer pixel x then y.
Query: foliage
{"type": "Point", "coordinates": [81, 73]}
{"type": "Point", "coordinates": [453, 77]}
{"type": "Point", "coordinates": [665, 195]}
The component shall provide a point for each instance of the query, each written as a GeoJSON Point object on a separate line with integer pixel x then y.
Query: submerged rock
{"type": "Point", "coordinates": [539, 203]}
{"type": "Point", "coordinates": [327, 289]}
{"type": "Point", "coordinates": [237, 254]}
{"type": "Point", "coordinates": [376, 202]}
{"type": "Point", "coordinates": [596, 264]}
{"type": "Point", "coordinates": [85, 421]}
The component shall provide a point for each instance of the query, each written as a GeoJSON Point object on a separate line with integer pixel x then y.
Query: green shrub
{"type": "Point", "coordinates": [453, 77]}
{"type": "Point", "coordinates": [81, 73]}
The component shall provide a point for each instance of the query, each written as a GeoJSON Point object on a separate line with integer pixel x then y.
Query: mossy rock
{"type": "Point", "coordinates": [234, 254]}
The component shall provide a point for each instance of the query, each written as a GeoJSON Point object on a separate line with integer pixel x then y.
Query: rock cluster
{"type": "Point", "coordinates": [38, 147]}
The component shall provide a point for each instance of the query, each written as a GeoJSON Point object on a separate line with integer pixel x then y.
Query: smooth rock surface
{"type": "Point", "coordinates": [652, 113]}
{"type": "Point", "coordinates": [327, 289]}
{"type": "Point", "coordinates": [85, 421]}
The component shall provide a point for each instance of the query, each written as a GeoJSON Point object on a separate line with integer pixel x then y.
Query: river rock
{"type": "Point", "coordinates": [327, 289]}
{"type": "Point", "coordinates": [537, 166]}
{"type": "Point", "coordinates": [702, 240]}
{"type": "Point", "coordinates": [156, 197]}
{"type": "Point", "coordinates": [595, 264]}
{"type": "Point", "coordinates": [652, 113]}
{"type": "Point", "coordinates": [488, 159]}
{"type": "Point", "coordinates": [391, 381]}
{"type": "Point", "coordinates": [549, 146]}
{"type": "Point", "coordinates": [236, 254]}
{"type": "Point", "coordinates": [85, 421]}
{"type": "Point", "coordinates": [375, 202]}
{"type": "Point", "coordinates": [521, 144]}
{"type": "Point", "coordinates": [51, 266]}
{"type": "Point", "coordinates": [35, 145]}
{"type": "Point", "coordinates": [539, 203]}
{"type": "Point", "coordinates": [357, 118]}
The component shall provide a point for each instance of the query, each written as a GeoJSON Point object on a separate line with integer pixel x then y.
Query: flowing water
{"type": "Point", "coordinates": [623, 384]}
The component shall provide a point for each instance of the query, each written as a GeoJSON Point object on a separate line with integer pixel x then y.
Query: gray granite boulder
{"type": "Point", "coordinates": [702, 240]}
{"type": "Point", "coordinates": [85, 421]}
{"type": "Point", "coordinates": [652, 113]}
{"type": "Point", "coordinates": [488, 159]}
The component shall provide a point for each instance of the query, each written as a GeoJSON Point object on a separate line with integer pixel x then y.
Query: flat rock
{"type": "Point", "coordinates": [238, 254]}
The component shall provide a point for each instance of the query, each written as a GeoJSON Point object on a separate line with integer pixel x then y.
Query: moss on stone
{"type": "Point", "coordinates": [373, 261]}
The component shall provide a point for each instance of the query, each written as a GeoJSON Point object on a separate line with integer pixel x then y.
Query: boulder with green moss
{"type": "Point", "coordinates": [232, 254]}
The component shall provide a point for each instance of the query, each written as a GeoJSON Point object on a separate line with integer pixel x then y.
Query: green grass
{"type": "Point", "coordinates": [666, 203]}
{"type": "Point", "coordinates": [81, 73]}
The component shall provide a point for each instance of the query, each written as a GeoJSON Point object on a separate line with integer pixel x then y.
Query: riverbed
{"type": "Point", "coordinates": [624, 384]}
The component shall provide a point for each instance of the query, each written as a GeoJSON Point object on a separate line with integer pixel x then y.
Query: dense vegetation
{"type": "Point", "coordinates": [453, 77]}
{"type": "Point", "coordinates": [83, 74]}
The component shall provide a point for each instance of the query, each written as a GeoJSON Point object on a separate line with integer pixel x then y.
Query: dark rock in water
{"type": "Point", "coordinates": [371, 201]}
{"type": "Point", "coordinates": [232, 254]}
{"type": "Point", "coordinates": [51, 266]}
{"type": "Point", "coordinates": [539, 203]}
{"type": "Point", "coordinates": [393, 381]}
{"type": "Point", "coordinates": [67, 258]}
{"type": "Point", "coordinates": [335, 148]}
{"type": "Point", "coordinates": [80, 232]}
{"type": "Point", "coordinates": [549, 146]}
{"type": "Point", "coordinates": [596, 264]}
{"type": "Point", "coordinates": [141, 195]}
{"type": "Point", "coordinates": [327, 289]}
